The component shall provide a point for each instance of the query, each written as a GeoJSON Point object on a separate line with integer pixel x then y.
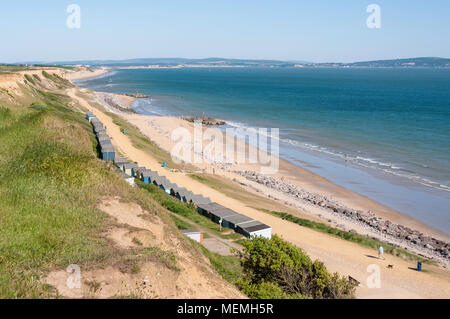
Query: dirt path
{"type": "Point", "coordinates": [211, 234]}
{"type": "Point", "coordinates": [338, 255]}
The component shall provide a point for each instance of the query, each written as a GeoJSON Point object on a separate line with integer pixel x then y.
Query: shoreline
{"type": "Point", "coordinates": [339, 255]}
{"type": "Point", "coordinates": [86, 74]}
{"type": "Point", "coordinates": [158, 130]}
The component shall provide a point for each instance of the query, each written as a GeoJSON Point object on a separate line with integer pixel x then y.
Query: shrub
{"type": "Point", "coordinates": [281, 264]}
{"type": "Point", "coordinates": [264, 290]}
{"type": "Point", "coordinates": [30, 79]}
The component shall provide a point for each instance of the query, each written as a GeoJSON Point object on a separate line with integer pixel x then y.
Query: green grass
{"type": "Point", "coordinates": [233, 190]}
{"type": "Point", "coordinates": [59, 81]}
{"type": "Point", "coordinates": [30, 79]}
{"type": "Point", "coordinates": [181, 224]}
{"type": "Point", "coordinates": [187, 211]}
{"type": "Point", "coordinates": [50, 182]}
{"type": "Point", "coordinates": [353, 237]}
{"type": "Point", "coordinates": [7, 69]}
{"type": "Point", "coordinates": [45, 216]}
{"type": "Point", "coordinates": [229, 267]}
{"type": "Point", "coordinates": [65, 67]}
{"type": "Point", "coordinates": [143, 143]}
{"type": "Point", "coordinates": [7, 92]}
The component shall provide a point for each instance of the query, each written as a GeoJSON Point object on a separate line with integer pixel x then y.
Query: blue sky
{"type": "Point", "coordinates": [318, 31]}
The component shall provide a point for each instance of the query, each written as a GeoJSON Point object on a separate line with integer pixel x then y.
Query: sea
{"type": "Point", "coordinates": [383, 132]}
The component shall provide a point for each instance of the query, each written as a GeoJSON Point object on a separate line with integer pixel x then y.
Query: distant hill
{"type": "Point", "coordinates": [395, 63]}
{"type": "Point", "coordinates": [177, 61]}
{"type": "Point", "coordinates": [433, 62]}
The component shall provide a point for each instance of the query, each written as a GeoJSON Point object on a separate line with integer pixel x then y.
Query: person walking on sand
{"type": "Point", "coordinates": [381, 253]}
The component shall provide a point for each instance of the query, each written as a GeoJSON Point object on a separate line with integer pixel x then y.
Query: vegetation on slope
{"type": "Point", "coordinates": [50, 183]}
{"type": "Point", "coordinates": [274, 268]}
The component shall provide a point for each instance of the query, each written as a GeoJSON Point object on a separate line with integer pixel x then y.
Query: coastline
{"type": "Point", "coordinates": [339, 255]}
{"type": "Point", "coordinates": [158, 129]}
{"type": "Point", "coordinates": [86, 74]}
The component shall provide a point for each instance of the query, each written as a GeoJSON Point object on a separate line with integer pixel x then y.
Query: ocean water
{"type": "Point", "coordinates": [384, 133]}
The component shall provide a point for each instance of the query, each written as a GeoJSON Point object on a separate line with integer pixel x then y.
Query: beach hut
{"type": "Point", "coordinates": [105, 142]}
{"type": "Point", "coordinates": [103, 136]}
{"type": "Point", "coordinates": [188, 195]}
{"type": "Point", "coordinates": [119, 161]}
{"type": "Point", "coordinates": [203, 209]}
{"type": "Point", "coordinates": [135, 171]}
{"type": "Point", "coordinates": [254, 228]}
{"type": "Point", "coordinates": [148, 176]}
{"type": "Point", "coordinates": [234, 220]}
{"type": "Point", "coordinates": [199, 199]}
{"type": "Point", "coordinates": [89, 116]}
{"type": "Point", "coordinates": [220, 213]}
{"type": "Point", "coordinates": [152, 176]}
{"type": "Point", "coordinates": [214, 211]}
{"type": "Point", "coordinates": [100, 131]}
{"type": "Point", "coordinates": [185, 195]}
{"type": "Point", "coordinates": [98, 128]}
{"type": "Point", "coordinates": [145, 176]}
{"type": "Point", "coordinates": [174, 190]}
{"type": "Point", "coordinates": [128, 167]}
{"type": "Point", "coordinates": [178, 191]}
{"type": "Point", "coordinates": [108, 152]}
{"type": "Point", "coordinates": [95, 121]}
{"type": "Point", "coordinates": [194, 234]}
{"type": "Point", "coordinates": [166, 183]}
{"type": "Point", "coordinates": [181, 193]}
{"type": "Point", "coordinates": [139, 172]}
{"type": "Point", "coordinates": [170, 187]}
{"type": "Point", "coordinates": [129, 179]}
{"type": "Point", "coordinates": [162, 182]}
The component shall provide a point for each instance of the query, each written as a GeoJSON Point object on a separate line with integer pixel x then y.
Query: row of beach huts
{"type": "Point", "coordinates": [214, 211]}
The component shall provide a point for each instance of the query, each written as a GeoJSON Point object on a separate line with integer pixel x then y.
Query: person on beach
{"type": "Point", "coordinates": [381, 252]}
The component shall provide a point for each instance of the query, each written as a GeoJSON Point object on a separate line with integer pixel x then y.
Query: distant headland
{"type": "Point", "coordinates": [170, 63]}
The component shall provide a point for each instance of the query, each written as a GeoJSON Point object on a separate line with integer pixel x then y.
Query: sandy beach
{"type": "Point", "coordinates": [341, 256]}
{"type": "Point", "coordinates": [159, 128]}
{"type": "Point", "coordinates": [85, 73]}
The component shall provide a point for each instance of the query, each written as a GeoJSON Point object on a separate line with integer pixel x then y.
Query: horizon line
{"type": "Point", "coordinates": [207, 58]}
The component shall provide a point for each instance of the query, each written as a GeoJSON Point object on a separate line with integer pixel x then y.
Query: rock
{"type": "Point", "coordinates": [204, 120]}
{"type": "Point", "coordinates": [390, 231]}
